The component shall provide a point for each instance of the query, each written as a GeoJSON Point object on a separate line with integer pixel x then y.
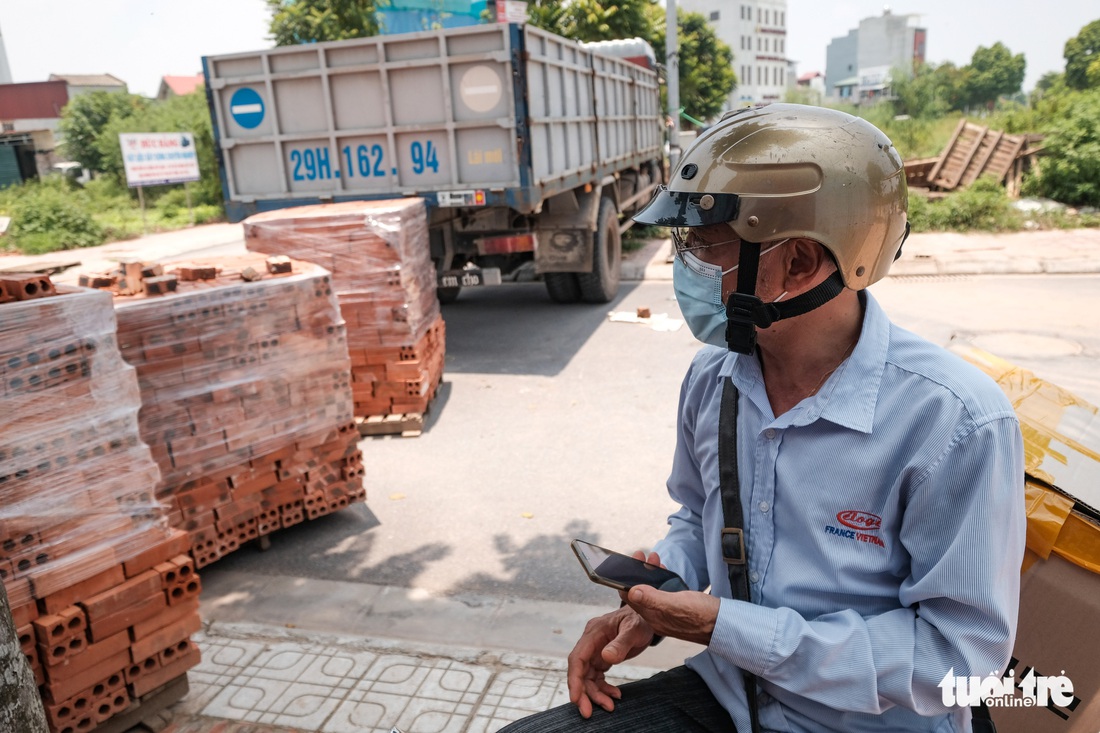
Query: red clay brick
{"type": "Point", "coordinates": [121, 596]}
{"type": "Point", "coordinates": [183, 591]}
{"type": "Point", "coordinates": [178, 542]}
{"type": "Point", "coordinates": [162, 638]}
{"type": "Point", "coordinates": [170, 616]}
{"type": "Point", "coordinates": [52, 578]}
{"type": "Point", "coordinates": [94, 585]}
{"type": "Point", "coordinates": [93, 655]}
{"type": "Point", "coordinates": [164, 675]}
{"type": "Point", "coordinates": [23, 615]}
{"type": "Point", "coordinates": [110, 705]}
{"type": "Point", "coordinates": [26, 638]}
{"type": "Point", "coordinates": [61, 649]}
{"type": "Point", "coordinates": [68, 712]}
{"type": "Point", "coordinates": [49, 628]}
{"type": "Point", "coordinates": [142, 668]}
{"type": "Point", "coordinates": [107, 674]}
{"type": "Point", "coordinates": [105, 626]}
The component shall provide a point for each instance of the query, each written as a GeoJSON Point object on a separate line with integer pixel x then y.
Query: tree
{"type": "Point", "coordinates": [992, 72]}
{"type": "Point", "coordinates": [592, 20]}
{"type": "Point", "coordinates": [597, 20]}
{"type": "Point", "coordinates": [20, 706]}
{"type": "Point", "coordinates": [548, 15]}
{"type": "Point", "coordinates": [1082, 54]}
{"type": "Point", "coordinates": [309, 21]}
{"type": "Point", "coordinates": [706, 64]}
{"type": "Point", "coordinates": [1070, 166]}
{"type": "Point", "coordinates": [83, 119]}
{"type": "Point", "coordinates": [187, 113]}
{"type": "Point", "coordinates": [919, 95]}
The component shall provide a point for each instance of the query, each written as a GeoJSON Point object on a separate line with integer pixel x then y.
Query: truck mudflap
{"type": "Point", "coordinates": [564, 250]}
{"type": "Point", "coordinates": [469, 277]}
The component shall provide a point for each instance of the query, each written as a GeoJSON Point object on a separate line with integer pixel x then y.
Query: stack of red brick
{"type": "Point", "coordinates": [102, 592]}
{"type": "Point", "coordinates": [246, 400]}
{"type": "Point", "coordinates": [382, 271]}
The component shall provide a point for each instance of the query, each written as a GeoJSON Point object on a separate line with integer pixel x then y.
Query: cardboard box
{"type": "Point", "coordinates": [1059, 626]}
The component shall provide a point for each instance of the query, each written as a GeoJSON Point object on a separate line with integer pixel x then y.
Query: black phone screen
{"type": "Point", "coordinates": [622, 571]}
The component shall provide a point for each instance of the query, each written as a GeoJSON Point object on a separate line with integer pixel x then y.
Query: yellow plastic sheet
{"type": "Point", "coordinates": [1061, 449]}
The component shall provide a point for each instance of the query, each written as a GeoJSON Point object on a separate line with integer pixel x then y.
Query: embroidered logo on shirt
{"type": "Point", "coordinates": [859, 520]}
{"type": "Point", "coordinates": [857, 526]}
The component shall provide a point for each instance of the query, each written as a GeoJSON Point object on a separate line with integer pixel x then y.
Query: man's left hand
{"type": "Point", "coordinates": [687, 615]}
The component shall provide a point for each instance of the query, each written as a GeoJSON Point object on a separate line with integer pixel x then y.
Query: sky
{"type": "Point", "coordinates": [139, 41]}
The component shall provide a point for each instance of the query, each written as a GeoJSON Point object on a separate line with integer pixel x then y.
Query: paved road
{"type": "Point", "coordinates": [555, 423]}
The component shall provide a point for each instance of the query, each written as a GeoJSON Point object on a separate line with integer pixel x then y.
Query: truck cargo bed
{"type": "Point", "coordinates": [489, 115]}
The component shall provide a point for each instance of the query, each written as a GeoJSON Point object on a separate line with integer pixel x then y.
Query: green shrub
{"type": "Point", "coordinates": [983, 206]}
{"type": "Point", "coordinates": [51, 215]}
{"type": "Point", "coordinates": [1069, 168]}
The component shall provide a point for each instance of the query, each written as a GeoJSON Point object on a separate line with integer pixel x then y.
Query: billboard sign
{"type": "Point", "coordinates": [159, 158]}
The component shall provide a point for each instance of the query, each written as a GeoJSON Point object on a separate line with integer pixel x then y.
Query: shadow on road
{"type": "Point", "coordinates": [332, 547]}
{"type": "Point", "coordinates": [543, 562]}
{"type": "Point", "coordinates": [517, 329]}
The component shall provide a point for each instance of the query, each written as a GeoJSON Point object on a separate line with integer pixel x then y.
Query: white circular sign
{"type": "Point", "coordinates": [480, 88]}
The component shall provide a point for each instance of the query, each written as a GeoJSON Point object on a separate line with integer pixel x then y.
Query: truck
{"type": "Point", "coordinates": [529, 150]}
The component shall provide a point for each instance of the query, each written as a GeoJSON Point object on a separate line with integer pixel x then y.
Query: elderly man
{"type": "Point", "coordinates": [851, 520]}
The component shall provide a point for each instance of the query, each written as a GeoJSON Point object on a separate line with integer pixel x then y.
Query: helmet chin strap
{"type": "Point", "coordinates": [745, 312]}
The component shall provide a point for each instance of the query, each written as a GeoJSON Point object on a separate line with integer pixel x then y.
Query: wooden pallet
{"type": "Point", "coordinates": [408, 425]}
{"type": "Point", "coordinates": [974, 151]}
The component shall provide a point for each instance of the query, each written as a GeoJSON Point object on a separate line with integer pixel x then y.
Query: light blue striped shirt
{"type": "Point", "coordinates": [885, 530]}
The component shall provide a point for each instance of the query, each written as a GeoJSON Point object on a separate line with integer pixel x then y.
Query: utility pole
{"type": "Point", "coordinates": [672, 79]}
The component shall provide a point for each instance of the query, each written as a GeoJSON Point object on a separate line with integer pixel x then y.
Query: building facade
{"type": "Point", "coordinates": [756, 32]}
{"type": "Point", "coordinates": [859, 66]}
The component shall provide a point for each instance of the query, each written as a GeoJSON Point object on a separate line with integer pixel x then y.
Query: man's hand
{"type": "Point", "coordinates": [607, 640]}
{"type": "Point", "coordinates": [687, 615]}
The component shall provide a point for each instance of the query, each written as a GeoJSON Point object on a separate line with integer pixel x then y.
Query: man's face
{"type": "Point", "coordinates": [717, 244]}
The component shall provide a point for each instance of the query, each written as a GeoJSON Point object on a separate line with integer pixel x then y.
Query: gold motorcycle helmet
{"type": "Point", "coordinates": [790, 170]}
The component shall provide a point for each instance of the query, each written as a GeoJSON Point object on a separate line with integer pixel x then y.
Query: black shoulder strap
{"type": "Point", "coordinates": [733, 534]}
{"type": "Point", "coordinates": [982, 722]}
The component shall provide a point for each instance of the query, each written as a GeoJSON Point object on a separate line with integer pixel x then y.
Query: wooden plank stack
{"type": "Point", "coordinates": [102, 591]}
{"type": "Point", "coordinates": [975, 151]}
{"type": "Point", "coordinates": [382, 271]}
{"type": "Point", "coordinates": [246, 398]}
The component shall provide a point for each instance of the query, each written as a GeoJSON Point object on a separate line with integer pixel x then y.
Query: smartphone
{"type": "Point", "coordinates": [623, 572]}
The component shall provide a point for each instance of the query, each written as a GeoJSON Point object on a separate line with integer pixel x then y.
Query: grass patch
{"type": "Point", "coordinates": [638, 236]}
{"type": "Point", "coordinates": [55, 214]}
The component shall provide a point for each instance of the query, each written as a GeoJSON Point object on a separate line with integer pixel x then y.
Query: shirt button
{"type": "Point", "coordinates": [754, 576]}
{"type": "Point", "coordinates": [763, 506]}
{"type": "Point", "coordinates": [769, 434]}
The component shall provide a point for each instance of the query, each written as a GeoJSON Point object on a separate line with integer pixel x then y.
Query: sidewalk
{"type": "Point", "coordinates": [272, 664]}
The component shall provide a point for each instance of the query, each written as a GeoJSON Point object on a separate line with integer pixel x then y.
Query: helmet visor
{"type": "Point", "coordinates": [689, 209]}
{"type": "Point", "coordinates": [691, 239]}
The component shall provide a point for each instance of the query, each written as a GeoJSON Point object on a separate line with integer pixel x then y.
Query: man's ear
{"type": "Point", "coordinates": [808, 261]}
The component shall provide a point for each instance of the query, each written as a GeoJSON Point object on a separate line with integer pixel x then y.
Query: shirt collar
{"type": "Point", "coordinates": [849, 395]}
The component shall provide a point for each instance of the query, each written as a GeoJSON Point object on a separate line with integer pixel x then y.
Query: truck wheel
{"type": "Point", "coordinates": [601, 285]}
{"type": "Point", "coordinates": [562, 287]}
{"type": "Point", "coordinates": [447, 295]}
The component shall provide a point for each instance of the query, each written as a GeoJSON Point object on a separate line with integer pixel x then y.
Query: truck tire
{"type": "Point", "coordinates": [562, 287]}
{"type": "Point", "coordinates": [447, 295]}
{"type": "Point", "coordinates": [601, 285]}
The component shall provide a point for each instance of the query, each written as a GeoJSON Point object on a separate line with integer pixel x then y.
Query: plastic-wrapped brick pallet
{"type": "Point", "coordinates": [379, 257]}
{"type": "Point", "coordinates": [102, 594]}
{"type": "Point", "coordinates": [246, 402]}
